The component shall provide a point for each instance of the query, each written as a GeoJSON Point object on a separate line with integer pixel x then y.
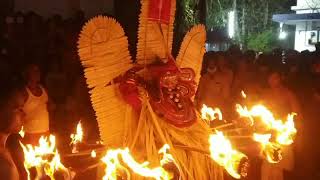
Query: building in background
{"type": "Point", "coordinates": [306, 19]}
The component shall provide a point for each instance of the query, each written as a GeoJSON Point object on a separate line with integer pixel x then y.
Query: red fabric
{"type": "Point", "coordinates": [159, 70]}
{"type": "Point", "coordinates": [130, 94]}
{"type": "Point", "coordinates": [159, 10]}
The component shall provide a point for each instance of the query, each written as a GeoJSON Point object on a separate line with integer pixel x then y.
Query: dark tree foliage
{"type": "Point", "coordinates": [253, 18]}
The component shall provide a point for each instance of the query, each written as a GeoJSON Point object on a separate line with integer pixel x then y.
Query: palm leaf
{"type": "Point", "coordinates": [154, 39]}
{"type": "Point", "coordinates": [192, 50]}
{"type": "Point", "coordinates": [103, 51]}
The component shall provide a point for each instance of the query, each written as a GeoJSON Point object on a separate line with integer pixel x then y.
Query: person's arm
{"type": "Point", "coordinates": [294, 104]}
{"type": "Point", "coordinates": [25, 95]}
{"type": "Point", "coordinates": [198, 97]}
{"type": "Point", "coordinates": [6, 170]}
{"type": "Point", "coordinates": [17, 155]}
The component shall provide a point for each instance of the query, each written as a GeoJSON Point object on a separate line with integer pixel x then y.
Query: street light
{"type": "Point", "coordinates": [282, 34]}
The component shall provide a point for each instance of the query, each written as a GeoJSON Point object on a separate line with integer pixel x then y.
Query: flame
{"type": "Point", "coordinates": [244, 112]}
{"type": "Point", "coordinates": [209, 114]}
{"type": "Point", "coordinates": [76, 138]}
{"type": "Point", "coordinates": [222, 152]}
{"type": "Point", "coordinates": [93, 154]}
{"type": "Point", "coordinates": [288, 131]}
{"type": "Point", "coordinates": [243, 94]}
{"type": "Point", "coordinates": [113, 163]}
{"type": "Point", "coordinates": [284, 132]}
{"type": "Point", "coordinates": [271, 149]}
{"type": "Point", "coordinates": [21, 132]}
{"type": "Point", "coordinates": [45, 157]}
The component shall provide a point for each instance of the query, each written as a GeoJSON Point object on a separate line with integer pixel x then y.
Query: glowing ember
{"type": "Point", "coordinates": [44, 158]}
{"type": "Point", "coordinates": [210, 114]}
{"type": "Point", "coordinates": [243, 94]}
{"type": "Point", "coordinates": [222, 152]}
{"type": "Point", "coordinates": [93, 154]}
{"type": "Point", "coordinates": [113, 163]}
{"type": "Point", "coordinates": [21, 132]}
{"type": "Point", "coordinates": [99, 142]}
{"type": "Point", "coordinates": [76, 138]}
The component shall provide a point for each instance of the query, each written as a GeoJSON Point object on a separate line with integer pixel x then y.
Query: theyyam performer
{"type": "Point", "coordinates": [148, 102]}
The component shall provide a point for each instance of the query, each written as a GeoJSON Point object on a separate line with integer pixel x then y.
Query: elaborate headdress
{"type": "Point", "coordinates": [103, 50]}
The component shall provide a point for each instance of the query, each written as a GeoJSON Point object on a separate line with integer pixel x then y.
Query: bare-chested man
{"type": "Point", "coordinates": [281, 101]}
{"type": "Point", "coordinates": [11, 114]}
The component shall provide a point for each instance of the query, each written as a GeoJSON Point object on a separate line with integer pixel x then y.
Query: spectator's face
{"type": "Point", "coordinates": [211, 64]}
{"type": "Point", "coordinates": [33, 74]}
{"type": "Point", "coordinates": [274, 80]}
{"type": "Point", "coordinates": [221, 62]}
{"type": "Point", "coordinates": [13, 113]}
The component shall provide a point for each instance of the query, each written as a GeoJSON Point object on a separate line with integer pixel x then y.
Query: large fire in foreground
{"type": "Point", "coordinates": [222, 152]}
{"type": "Point", "coordinates": [44, 158]}
{"type": "Point", "coordinates": [114, 158]}
{"type": "Point", "coordinates": [281, 133]}
{"type": "Point", "coordinates": [119, 162]}
{"type": "Point", "coordinates": [276, 134]}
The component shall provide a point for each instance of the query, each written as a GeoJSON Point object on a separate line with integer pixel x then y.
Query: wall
{"type": "Point", "coordinates": [307, 6]}
{"type": "Point", "coordinates": [66, 8]}
{"type": "Point", "coordinates": [303, 30]}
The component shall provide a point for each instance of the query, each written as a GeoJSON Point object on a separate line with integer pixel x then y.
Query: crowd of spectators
{"type": "Point", "coordinates": [284, 81]}
{"type": "Point", "coordinates": [50, 44]}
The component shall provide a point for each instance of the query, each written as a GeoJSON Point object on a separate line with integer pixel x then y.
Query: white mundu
{"type": "Point", "coordinates": [37, 115]}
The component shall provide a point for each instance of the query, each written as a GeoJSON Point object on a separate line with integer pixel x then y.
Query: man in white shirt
{"type": "Point", "coordinates": [36, 106]}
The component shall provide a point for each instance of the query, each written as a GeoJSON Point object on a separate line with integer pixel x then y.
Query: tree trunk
{"type": "Point", "coordinates": [202, 11]}
{"type": "Point", "coordinates": [236, 24]}
{"type": "Point", "coordinates": [266, 16]}
{"type": "Point", "coordinates": [243, 26]}
{"type": "Point", "coordinates": [178, 26]}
